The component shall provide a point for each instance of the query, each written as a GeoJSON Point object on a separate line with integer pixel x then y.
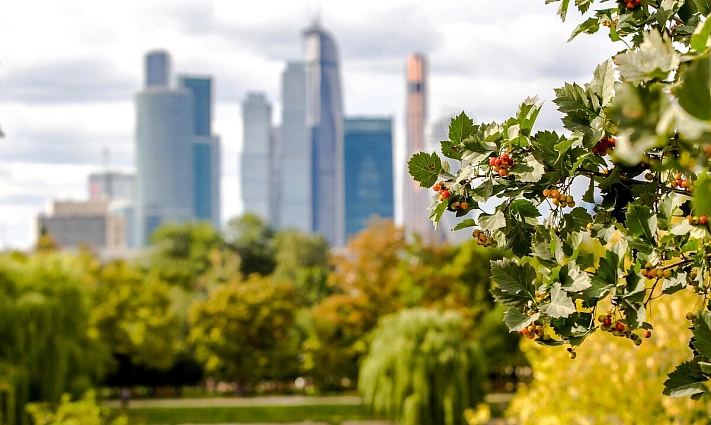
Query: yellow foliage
{"type": "Point", "coordinates": [612, 381]}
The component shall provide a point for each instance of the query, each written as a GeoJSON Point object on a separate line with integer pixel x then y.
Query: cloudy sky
{"type": "Point", "coordinates": [69, 71]}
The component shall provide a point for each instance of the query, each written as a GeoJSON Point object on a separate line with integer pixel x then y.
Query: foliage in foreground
{"type": "Point", "coordinates": [612, 381]}
{"type": "Point", "coordinates": [639, 137]}
{"type": "Point", "coordinates": [80, 412]}
{"type": "Point", "coordinates": [421, 369]}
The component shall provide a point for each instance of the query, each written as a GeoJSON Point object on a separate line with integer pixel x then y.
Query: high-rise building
{"type": "Point", "coordinates": [164, 159]}
{"type": "Point", "coordinates": [257, 155]}
{"type": "Point", "coordinates": [293, 153]}
{"type": "Point", "coordinates": [112, 186]}
{"type": "Point", "coordinates": [76, 223]}
{"type": "Point", "coordinates": [415, 199]}
{"type": "Point", "coordinates": [324, 124]}
{"type": "Point", "coordinates": [157, 68]}
{"type": "Point", "coordinates": [206, 149]}
{"type": "Point", "coordinates": [369, 184]}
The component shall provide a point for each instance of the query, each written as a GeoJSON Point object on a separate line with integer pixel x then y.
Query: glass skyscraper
{"type": "Point", "coordinates": [164, 156]}
{"type": "Point", "coordinates": [369, 186]}
{"type": "Point", "coordinates": [257, 155]}
{"type": "Point", "coordinates": [293, 153]}
{"type": "Point", "coordinates": [157, 68]}
{"type": "Point", "coordinates": [324, 125]}
{"type": "Point", "coordinates": [206, 149]}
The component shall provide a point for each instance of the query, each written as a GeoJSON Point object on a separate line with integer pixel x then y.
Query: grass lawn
{"type": "Point", "coordinates": [334, 414]}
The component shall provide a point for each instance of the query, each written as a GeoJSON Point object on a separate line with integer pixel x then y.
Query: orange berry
{"type": "Point", "coordinates": [503, 172]}
{"type": "Point", "coordinates": [464, 206]}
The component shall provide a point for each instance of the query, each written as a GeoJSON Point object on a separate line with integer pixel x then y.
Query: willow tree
{"type": "Point", "coordinates": [44, 308]}
{"type": "Point", "coordinates": [421, 369]}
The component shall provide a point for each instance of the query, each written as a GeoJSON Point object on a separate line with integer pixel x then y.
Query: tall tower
{"type": "Point", "coordinates": [164, 157]}
{"type": "Point", "coordinates": [368, 171]}
{"type": "Point", "coordinates": [206, 149]}
{"type": "Point", "coordinates": [293, 155]}
{"type": "Point", "coordinates": [324, 126]}
{"type": "Point", "coordinates": [256, 155]}
{"type": "Point", "coordinates": [157, 68]}
{"type": "Point", "coordinates": [415, 198]}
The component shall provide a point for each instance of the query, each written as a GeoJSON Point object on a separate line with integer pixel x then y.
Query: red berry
{"type": "Point", "coordinates": [444, 194]}
{"type": "Point", "coordinates": [607, 321]}
{"type": "Point", "coordinates": [503, 172]}
{"type": "Point", "coordinates": [498, 162]}
{"type": "Point", "coordinates": [505, 157]}
{"type": "Point", "coordinates": [620, 326]}
{"type": "Point", "coordinates": [492, 161]}
{"type": "Point", "coordinates": [437, 187]}
{"type": "Point", "coordinates": [647, 333]}
{"type": "Point", "coordinates": [704, 219]}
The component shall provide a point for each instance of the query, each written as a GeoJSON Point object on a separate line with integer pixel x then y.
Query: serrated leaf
{"type": "Point", "coordinates": [589, 195]}
{"type": "Point", "coordinates": [654, 59]}
{"type": "Point", "coordinates": [517, 321]}
{"type": "Point", "coordinates": [560, 304]}
{"type": "Point", "coordinates": [641, 222]}
{"type": "Point", "coordinates": [694, 94]}
{"type": "Point", "coordinates": [469, 222]}
{"type": "Point", "coordinates": [509, 300]}
{"type": "Point", "coordinates": [700, 37]}
{"type": "Point", "coordinates": [702, 204]}
{"type": "Point", "coordinates": [492, 222]}
{"type": "Point", "coordinates": [674, 284]}
{"type": "Point", "coordinates": [483, 191]}
{"type": "Point", "coordinates": [542, 252]}
{"type": "Point", "coordinates": [529, 170]}
{"type": "Point", "coordinates": [436, 213]}
{"type": "Point", "coordinates": [589, 26]}
{"type": "Point", "coordinates": [460, 128]}
{"type": "Point", "coordinates": [603, 82]}
{"type": "Point", "coordinates": [702, 333]}
{"type": "Point", "coordinates": [685, 380]}
{"type": "Point", "coordinates": [450, 150]}
{"type": "Point", "coordinates": [513, 277]}
{"type": "Point", "coordinates": [576, 220]}
{"type": "Point", "coordinates": [425, 168]}
{"type": "Point", "coordinates": [703, 6]}
{"type": "Point", "coordinates": [573, 279]}
{"type": "Point", "coordinates": [523, 209]}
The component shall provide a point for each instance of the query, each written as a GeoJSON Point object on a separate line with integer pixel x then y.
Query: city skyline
{"type": "Point", "coordinates": [64, 99]}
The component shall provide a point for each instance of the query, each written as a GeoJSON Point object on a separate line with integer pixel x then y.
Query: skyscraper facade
{"type": "Point", "coordinates": [257, 155]}
{"type": "Point", "coordinates": [206, 149]}
{"type": "Point", "coordinates": [369, 184]}
{"type": "Point", "coordinates": [164, 158]}
{"type": "Point", "coordinates": [293, 153]}
{"type": "Point", "coordinates": [415, 199]}
{"type": "Point", "coordinates": [324, 125]}
{"type": "Point", "coordinates": [157, 68]}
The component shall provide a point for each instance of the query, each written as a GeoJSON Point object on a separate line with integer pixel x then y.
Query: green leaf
{"type": "Point", "coordinates": [702, 334]}
{"type": "Point", "coordinates": [522, 209]}
{"type": "Point", "coordinates": [560, 305]}
{"type": "Point", "coordinates": [694, 94]}
{"type": "Point", "coordinates": [641, 222]}
{"type": "Point", "coordinates": [579, 105]}
{"type": "Point", "coordinates": [702, 204]}
{"type": "Point", "coordinates": [703, 6]}
{"type": "Point", "coordinates": [436, 213]}
{"type": "Point", "coordinates": [492, 222]}
{"type": "Point", "coordinates": [425, 168]}
{"type": "Point", "coordinates": [576, 220]}
{"type": "Point", "coordinates": [460, 128]}
{"type": "Point", "coordinates": [589, 195]}
{"type": "Point", "coordinates": [509, 300]}
{"type": "Point", "coordinates": [654, 59]}
{"type": "Point", "coordinates": [685, 380]}
{"type": "Point", "coordinates": [469, 222]}
{"type": "Point", "coordinates": [450, 150]}
{"type": "Point", "coordinates": [603, 82]}
{"type": "Point", "coordinates": [700, 37]}
{"type": "Point", "coordinates": [674, 284]}
{"type": "Point", "coordinates": [513, 277]}
{"type": "Point", "coordinates": [484, 191]}
{"type": "Point", "coordinates": [517, 321]}
{"type": "Point", "coordinates": [589, 26]}
{"type": "Point", "coordinates": [573, 279]}
{"type": "Point", "coordinates": [529, 170]}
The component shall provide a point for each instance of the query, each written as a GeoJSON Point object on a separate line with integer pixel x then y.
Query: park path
{"type": "Point", "coordinates": [292, 400]}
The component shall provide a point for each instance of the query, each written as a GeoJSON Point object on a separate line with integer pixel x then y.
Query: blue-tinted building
{"type": "Point", "coordinates": [256, 160]}
{"type": "Point", "coordinates": [164, 159]}
{"type": "Point", "coordinates": [157, 68]}
{"type": "Point", "coordinates": [206, 149]}
{"type": "Point", "coordinates": [324, 126]}
{"type": "Point", "coordinates": [369, 179]}
{"type": "Point", "coordinates": [293, 154]}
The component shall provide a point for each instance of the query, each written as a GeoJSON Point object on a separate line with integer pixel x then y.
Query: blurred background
{"type": "Point", "coordinates": [205, 217]}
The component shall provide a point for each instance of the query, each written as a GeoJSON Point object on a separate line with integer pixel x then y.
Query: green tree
{"type": "Point", "coordinates": [46, 346]}
{"type": "Point", "coordinates": [186, 252]}
{"type": "Point", "coordinates": [132, 314]}
{"type": "Point", "coordinates": [303, 259]}
{"type": "Point", "coordinates": [81, 412]}
{"type": "Point", "coordinates": [244, 331]}
{"type": "Point", "coordinates": [253, 240]}
{"type": "Point", "coordinates": [639, 136]}
{"type": "Point", "coordinates": [421, 369]}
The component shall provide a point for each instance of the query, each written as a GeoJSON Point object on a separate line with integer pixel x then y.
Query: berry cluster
{"type": "Point", "coordinates": [604, 146]}
{"type": "Point", "coordinates": [533, 330]}
{"type": "Point", "coordinates": [501, 164]}
{"type": "Point", "coordinates": [631, 4]}
{"type": "Point", "coordinates": [621, 329]}
{"type": "Point", "coordinates": [483, 239]}
{"type": "Point", "coordinates": [558, 198]}
{"type": "Point", "coordinates": [651, 273]}
{"type": "Point", "coordinates": [458, 205]}
{"type": "Point", "coordinates": [680, 181]}
{"type": "Point", "coordinates": [704, 219]}
{"type": "Point", "coordinates": [443, 192]}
